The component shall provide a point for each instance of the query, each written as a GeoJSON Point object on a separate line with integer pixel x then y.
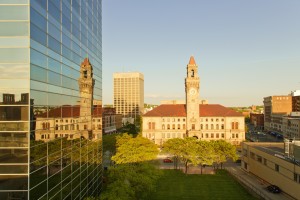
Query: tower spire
{"type": "Point", "coordinates": [192, 61]}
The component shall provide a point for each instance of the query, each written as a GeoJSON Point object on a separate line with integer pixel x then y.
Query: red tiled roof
{"type": "Point", "coordinates": [212, 110]}
{"type": "Point", "coordinates": [179, 110]}
{"type": "Point", "coordinates": [67, 111]}
{"type": "Point", "coordinates": [172, 110]}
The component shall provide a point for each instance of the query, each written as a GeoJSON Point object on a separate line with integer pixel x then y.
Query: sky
{"type": "Point", "coordinates": [245, 50]}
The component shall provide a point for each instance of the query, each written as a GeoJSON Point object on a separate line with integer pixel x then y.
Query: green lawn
{"type": "Point", "coordinates": [175, 185]}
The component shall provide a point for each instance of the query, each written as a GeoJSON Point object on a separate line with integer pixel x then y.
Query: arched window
{"type": "Point", "coordinates": [163, 127]}
{"type": "Point", "coordinates": [236, 125]}
{"type": "Point", "coordinates": [212, 127]}
{"type": "Point", "coordinates": [178, 126]}
{"type": "Point", "coordinates": [217, 126]}
{"type": "Point", "coordinates": [168, 126]}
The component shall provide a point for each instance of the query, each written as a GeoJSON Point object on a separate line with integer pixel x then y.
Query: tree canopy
{"type": "Point", "coordinates": [134, 150]}
{"type": "Point", "coordinates": [197, 152]}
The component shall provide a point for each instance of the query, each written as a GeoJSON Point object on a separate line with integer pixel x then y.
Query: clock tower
{"type": "Point", "coordinates": [192, 99]}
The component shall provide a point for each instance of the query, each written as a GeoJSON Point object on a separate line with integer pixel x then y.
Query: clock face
{"type": "Point", "coordinates": [192, 91]}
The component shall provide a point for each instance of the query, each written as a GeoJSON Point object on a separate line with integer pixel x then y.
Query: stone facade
{"type": "Point", "coordinates": [193, 118]}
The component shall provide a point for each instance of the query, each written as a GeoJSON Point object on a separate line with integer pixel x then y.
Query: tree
{"type": "Point", "coordinates": [131, 182]}
{"type": "Point", "coordinates": [174, 147]}
{"type": "Point", "coordinates": [205, 153]}
{"type": "Point", "coordinates": [134, 150]}
{"type": "Point", "coordinates": [223, 150]}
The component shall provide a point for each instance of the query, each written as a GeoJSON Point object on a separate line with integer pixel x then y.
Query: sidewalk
{"type": "Point", "coordinates": [255, 184]}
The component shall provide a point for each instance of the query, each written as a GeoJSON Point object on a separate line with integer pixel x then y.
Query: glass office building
{"type": "Point", "coordinates": [44, 152]}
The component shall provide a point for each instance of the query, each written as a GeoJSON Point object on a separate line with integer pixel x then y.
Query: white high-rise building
{"type": "Point", "coordinates": [129, 94]}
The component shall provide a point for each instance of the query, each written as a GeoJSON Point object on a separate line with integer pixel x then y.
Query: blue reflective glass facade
{"type": "Point", "coordinates": [50, 138]}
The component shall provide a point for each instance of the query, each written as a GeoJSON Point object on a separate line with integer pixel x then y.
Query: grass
{"type": "Point", "coordinates": [175, 185]}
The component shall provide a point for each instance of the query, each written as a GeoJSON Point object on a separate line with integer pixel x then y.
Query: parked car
{"type": "Point", "coordinates": [167, 160]}
{"type": "Point", "coordinates": [273, 189]}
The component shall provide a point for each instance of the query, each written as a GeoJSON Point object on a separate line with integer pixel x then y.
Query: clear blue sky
{"type": "Point", "coordinates": [245, 50]}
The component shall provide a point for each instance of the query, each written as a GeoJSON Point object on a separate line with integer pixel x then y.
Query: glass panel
{"type": "Point", "coordinates": [38, 35]}
{"type": "Point", "coordinates": [14, 1]}
{"type": "Point", "coordinates": [15, 55]}
{"type": "Point", "coordinates": [38, 58]}
{"type": "Point", "coordinates": [18, 183]}
{"type": "Point", "coordinates": [13, 139]}
{"type": "Point", "coordinates": [14, 113]}
{"type": "Point", "coordinates": [13, 156]}
{"type": "Point", "coordinates": [14, 29]}
{"type": "Point", "coordinates": [54, 78]}
{"type": "Point", "coordinates": [14, 96]}
{"type": "Point", "coordinates": [13, 169]}
{"type": "Point", "coordinates": [39, 98]}
{"type": "Point", "coordinates": [17, 83]}
{"type": "Point", "coordinates": [38, 73]}
{"type": "Point", "coordinates": [54, 65]}
{"type": "Point", "coordinates": [16, 71]}
{"type": "Point", "coordinates": [14, 12]}
{"type": "Point", "coordinates": [36, 85]}
{"type": "Point", "coordinates": [38, 19]}
{"type": "Point", "coordinates": [13, 126]}
{"type": "Point", "coordinates": [14, 42]}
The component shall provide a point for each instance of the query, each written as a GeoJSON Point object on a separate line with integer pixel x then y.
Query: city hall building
{"type": "Point", "coordinates": [42, 46]}
{"type": "Point", "coordinates": [193, 117]}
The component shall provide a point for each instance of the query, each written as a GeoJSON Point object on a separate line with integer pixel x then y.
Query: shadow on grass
{"type": "Point", "coordinates": [176, 185]}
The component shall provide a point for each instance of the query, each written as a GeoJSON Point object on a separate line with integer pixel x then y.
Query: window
{"type": "Point", "coordinates": [163, 127]}
{"type": "Point", "coordinates": [206, 135]}
{"type": "Point", "coordinates": [206, 120]}
{"type": "Point", "coordinates": [149, 125]}
{"type": "Point", "coordinates": [153, 125]}
{"type": "Point", "coordinates": [276, 167]}
{"type": "Point", "coordinates": [168, 126]}
{"type": "Point", "coordinates": [232, 135]}
{"type": "Point", "coordinates": [56, 127]}
{"type": "Point", "coordinates": [178, 119]}
{"type": "Point", "coordinates": [222, 126]}
{"type": "Point", "coordinates": [237, 135]}
{"type": "Point", "coordinates": [163, 135]}
{"type": "Point", "coordinates": [236, 125]}
{"type": "Point", "coordinates": [201, 126]}
{"type": "Point", "coordinates": [85, 127]}
{"type": "Point", "coordinates": [173, 126]}
{"type": "Point", "coordinates": [168, 135]}
{"type": "Point", "coordinates": [212, 119]}
{"type": "Point", "coordinates": [212, 127]}
{"type": "Point", "coordinates": [193, 126]}
{"type": "Point", "coordinates": [217, 120]}
{"type": "Point", "coordinates": [212, 135]}
{"type": "Point", "coordinates": [183, 119]}
{"type": "Point", "coordinates": [259, 158]}
{"type": "Point", "coordinates": [222, 135]}
{"type": "Point", "coordinates": [183, 126]}
{"type": "Point", "coordinates": [178, 126]}
{"type": "Point", "coordinates": [217, 135]}
{"type": "Point", "coordinates": [217, 126]}
{"type": "Point", "coordinates": [206, 126]}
